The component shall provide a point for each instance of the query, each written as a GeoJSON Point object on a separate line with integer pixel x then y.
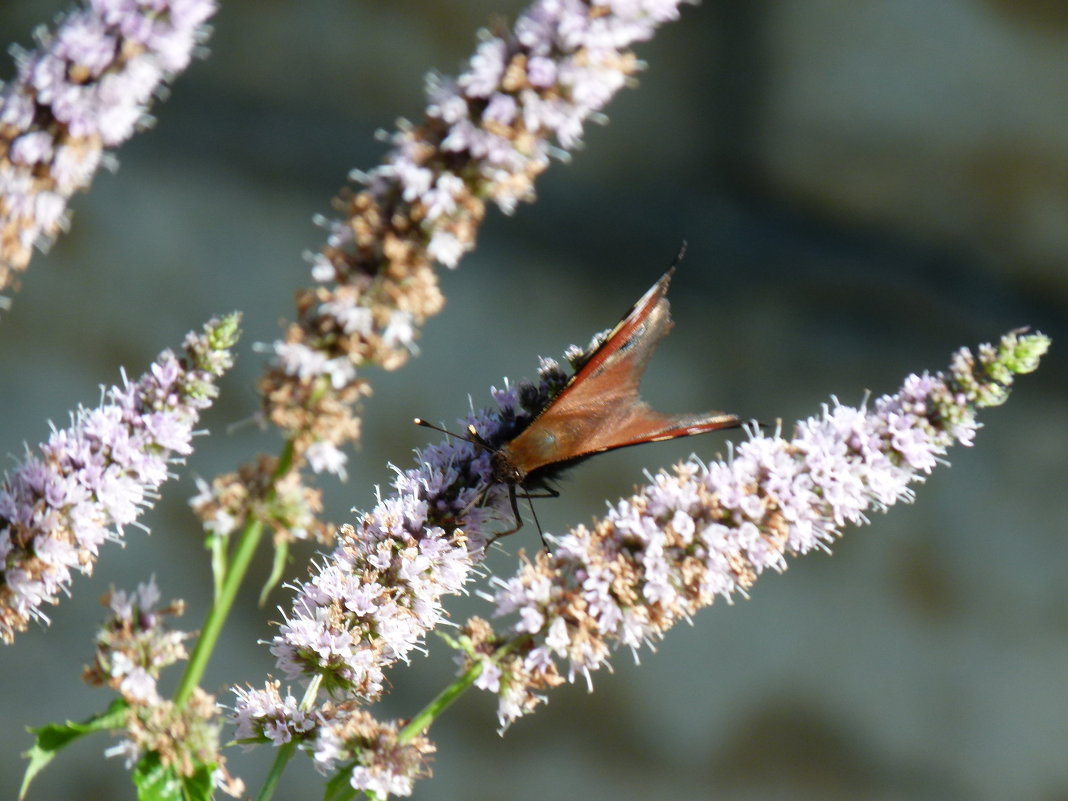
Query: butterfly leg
{"type": "Point", "coordinates": [547, 492]}
{"type": "Point", "coordinates": [513, 497]}
{"type": "Point", "coordinates": [515, 514]}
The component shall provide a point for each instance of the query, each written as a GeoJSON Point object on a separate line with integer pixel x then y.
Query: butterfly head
{"type": "Point", "coordinates": [504, 468]}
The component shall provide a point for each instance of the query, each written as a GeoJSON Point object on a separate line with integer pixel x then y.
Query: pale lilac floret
{"type": "Point", "coordinates": [266, 714]}
{"type": "Point", "coordinates": [490, 677]}
{"type": "Point", "coordinates": [135, 645]}
{"type": "Point", "coordinates": [381, 783]}
{"type": "Point", "coordinates": [325, 457]}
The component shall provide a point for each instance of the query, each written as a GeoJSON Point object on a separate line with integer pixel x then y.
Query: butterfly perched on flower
{"type": "Point", "coordinates": [598, 409]}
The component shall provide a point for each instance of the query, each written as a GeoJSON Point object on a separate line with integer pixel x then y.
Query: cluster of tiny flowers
{"type": "Point", "coordinates": [85, 88]}
{"type": "Point", "coordinates": [385, 763]}
{"type": "Point", "coordinates": [487, 134]}
{"type": "Point", "coordinates": [265, 716]}
{"type": "Point", "coordinates": [89, 480]}
{"type": "Point", "coordinates": [134, 646]}
{"type": "Point", "coordinates": [710, 530]}
{"type": "Point", "coordinates": [380, 591]}
{"type": "Point", "coordinates": [379, 760]}
{"type": "Point", "coordinates": [183, 738]}
{"type": "Point", "coordinates": [285, 504]}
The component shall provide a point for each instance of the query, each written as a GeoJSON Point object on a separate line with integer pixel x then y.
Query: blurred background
{"type": "Point", "coordinates": [865, 187]}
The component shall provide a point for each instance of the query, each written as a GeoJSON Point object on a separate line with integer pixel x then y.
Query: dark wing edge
{"type": "Point", "coordinates": [644, 424]}
{"type": "Point", "coordinates": [625, 330]}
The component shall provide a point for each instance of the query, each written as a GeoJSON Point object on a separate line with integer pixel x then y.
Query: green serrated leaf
{"type": "Point", "coordinates": [154, 782]}
{"type": "Point", "coordinates": [55, 736]}
{"type": "Point", "coordinates": [157, 782]}
{"type": "Point", "coordinates": [199, 786]}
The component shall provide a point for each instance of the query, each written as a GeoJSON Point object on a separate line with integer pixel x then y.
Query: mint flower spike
{"type": "Point", "coordinates": [86, 87]}
{"type": "Point", "coordinates": [707, 530]}
{"type": "Point", "coordinates": [524, 97]}
{"type": "Point", "coordinates": [89, 480]}
{"type": "Point", "coordinates": [373, 599]}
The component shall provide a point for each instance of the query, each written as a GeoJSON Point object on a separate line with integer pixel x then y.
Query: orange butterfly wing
{"type": "Point", "coordinates": [600, 407]}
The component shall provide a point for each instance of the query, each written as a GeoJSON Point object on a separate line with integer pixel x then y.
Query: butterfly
{"type": "Point", "coordinates": [599, 408]}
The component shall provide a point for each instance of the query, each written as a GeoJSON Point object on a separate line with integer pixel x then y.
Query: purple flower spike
{"type": "Point", "coordinates": [89, 480]}
{"type": "Point", "coordinates": [85, 88]}
{"type": "Point", "coordinates": [380, 591]}
{"type": "Point", "coordinates": [707, 530]}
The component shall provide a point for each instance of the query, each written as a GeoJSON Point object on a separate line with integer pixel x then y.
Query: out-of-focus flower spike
{"type": "Point", "coordinates": [86, 87]}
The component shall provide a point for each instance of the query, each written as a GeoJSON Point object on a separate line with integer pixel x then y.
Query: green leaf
{"type": "Point", "coordinates": [156, 782]}
{"type": "Point", "coordinates": [216, 545]}
{"type": "Point", "coordinates": [55, 736]}
{"type": "Point", "coordinates": [281, 553]}
{"type": "Point", "coordinates": [340, 787]}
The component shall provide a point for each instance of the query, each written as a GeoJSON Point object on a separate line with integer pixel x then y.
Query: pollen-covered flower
{"type": "Point", "coordinates": [86, 87]}
{"type": "Point", "coordinates": [525, 96]}
{"type": "Point", "coordinates": [708, 530]}
{"type": "Point", "coordinates": [89, 480]}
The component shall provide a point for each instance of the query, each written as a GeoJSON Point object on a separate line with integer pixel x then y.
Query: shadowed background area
{"type": "Point", "coordinates": [864, 186]}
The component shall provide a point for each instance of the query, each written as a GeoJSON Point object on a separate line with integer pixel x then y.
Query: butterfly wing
{"type": "Point", "coordinates": [600, 409]}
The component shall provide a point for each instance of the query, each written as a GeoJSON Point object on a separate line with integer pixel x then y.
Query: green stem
{"type": "Point", "coordinates": [285, 752]}
{"type": "Point", "coordinates": [209, 634]}
{"type": "Point", "coordinates": [231, 583]}
{"type": "Point", "coordinates": [281, 759]}
{"type": "Point", "coordinates": [428, 714]}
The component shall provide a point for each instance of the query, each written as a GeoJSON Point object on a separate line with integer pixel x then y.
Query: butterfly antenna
{"type": "Point", "coordinates": [419, 421]}
{"type": "Point", "coordinates": [475, 437]}
{"type": "Point", "coordinates": [678, 256]}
